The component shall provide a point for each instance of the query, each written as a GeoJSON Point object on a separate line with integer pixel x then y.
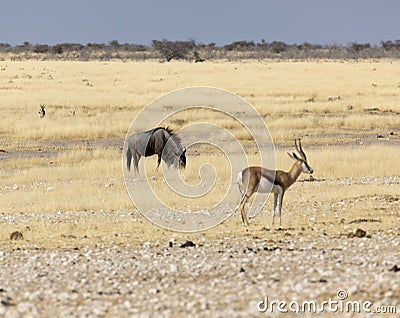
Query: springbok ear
{"type": "Point", "coordinates": [184, 150]}
{"type": "Point", "coordinates": [291, 156]}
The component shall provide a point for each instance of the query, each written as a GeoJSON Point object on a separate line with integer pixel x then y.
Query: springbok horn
{"type": "Point", "coordinates": [300, 149]}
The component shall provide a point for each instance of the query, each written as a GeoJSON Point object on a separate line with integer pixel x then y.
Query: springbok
{"type": "Point", "coordinates": [262, 180]}
{"type": "Point", "coordinates": [42, 112]}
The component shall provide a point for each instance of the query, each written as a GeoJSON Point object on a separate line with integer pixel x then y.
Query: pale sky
{"type": "Point", "coordinates": [219, 21]}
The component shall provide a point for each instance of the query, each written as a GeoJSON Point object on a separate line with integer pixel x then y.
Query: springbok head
{"type": "Point", "coordinates": [302, 159]}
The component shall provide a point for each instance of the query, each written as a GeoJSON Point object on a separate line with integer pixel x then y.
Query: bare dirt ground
{"type": "Point", "coordinates": [121, 265]}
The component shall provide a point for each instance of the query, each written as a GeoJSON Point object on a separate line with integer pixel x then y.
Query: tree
{"type": "Point", "coordinates": [41, 48]}
{"type": "Point", "coordinates": [174, 50]}
{"type": "Point", "coordinates": [278, 46]}
{"type": "Point", "coordinates": [114, 44]}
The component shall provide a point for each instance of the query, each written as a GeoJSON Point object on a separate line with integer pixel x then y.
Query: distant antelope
{"type": "Point", "coordinates": [259, 179]}
{"type": "Point", "coordinates": [42, 112]}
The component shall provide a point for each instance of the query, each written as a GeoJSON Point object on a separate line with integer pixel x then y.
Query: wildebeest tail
{"type": "Point", "coordinates": [128, 158]}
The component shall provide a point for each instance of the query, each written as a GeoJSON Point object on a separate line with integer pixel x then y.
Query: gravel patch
{"type": "Point", "coordinates": [225, 277]}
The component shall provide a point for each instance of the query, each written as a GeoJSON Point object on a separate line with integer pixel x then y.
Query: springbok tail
{"type": "Point", "coordinates": [240, 182]}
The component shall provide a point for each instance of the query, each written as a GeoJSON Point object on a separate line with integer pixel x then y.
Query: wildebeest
{"type": "Point", "coordinates": [157, 141]}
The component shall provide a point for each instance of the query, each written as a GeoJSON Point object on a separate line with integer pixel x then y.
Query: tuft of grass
{"type": "Point", "coordinates": [77, 179]}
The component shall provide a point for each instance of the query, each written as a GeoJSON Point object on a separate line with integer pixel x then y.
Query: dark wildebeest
{"type": "Point", "coordinates": [157, 141]}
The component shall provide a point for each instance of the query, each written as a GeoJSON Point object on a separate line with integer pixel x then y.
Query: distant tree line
{"type": "Point", "coordinates": [189, 50]}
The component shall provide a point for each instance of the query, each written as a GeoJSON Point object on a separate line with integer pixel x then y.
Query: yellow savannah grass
{"type": "Point", "coordinates": [82, 179]}
{"type": "Point", "coordinates": [107, 95]}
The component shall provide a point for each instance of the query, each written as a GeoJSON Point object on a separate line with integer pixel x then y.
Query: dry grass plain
{"type": "Point", "coordinates": [62, 187]}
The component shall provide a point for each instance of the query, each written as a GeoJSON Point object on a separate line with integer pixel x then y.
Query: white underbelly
{"type": "Point", "coordinates": [265, 186]}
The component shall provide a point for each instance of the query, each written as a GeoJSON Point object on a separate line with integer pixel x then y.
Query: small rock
{"type": "Point", "coordinates": [357, 233]}
{"type": "Point", "coordinates": [173, 268]}
{"type": "Point", "coordinates": [6, 301]}
{"type": "Point", "coordinates": [16, 235]}
{"type": "Point", "coordinates": [127, 304]}
{"type": "Point", "coordinates": [147, 244]}
{"type": "Point", "coordinates": [188, 244]}
{"type": "Point", "coordinates": [395, 269]}
{"type": "Point", "coordinates": [360, 233]}
{"type": "Point", "coordinates": [154, 291]}
{"type": "Point", "coordinates": [28, 308]}
{"type": "Point", "coordinates": [109, 184]}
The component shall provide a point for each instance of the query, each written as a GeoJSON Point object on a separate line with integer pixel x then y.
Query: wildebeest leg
{"type": "Point", "coordinates": [128, 159]}
{"type": "Point", "coordinates": [136, 158]}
